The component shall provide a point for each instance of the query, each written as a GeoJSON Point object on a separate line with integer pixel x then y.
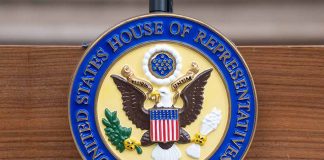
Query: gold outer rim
{"type": "Point", "coordinates": [166, 15]}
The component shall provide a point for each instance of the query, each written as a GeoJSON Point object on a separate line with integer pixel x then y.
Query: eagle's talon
{"type": "Point", "coordinates": [130, 144]}
{"type": "Point", "coordinates": [199, 139]}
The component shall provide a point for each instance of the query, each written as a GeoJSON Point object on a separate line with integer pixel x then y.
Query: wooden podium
{"type": "Point", "coordinates": [35, 81]}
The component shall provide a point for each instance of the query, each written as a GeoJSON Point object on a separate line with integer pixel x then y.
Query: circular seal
{"type": "Point", "coordinates": [162, 86]}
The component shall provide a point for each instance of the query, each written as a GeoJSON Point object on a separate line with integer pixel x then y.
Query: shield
{"type": "Point", "coordinates": [164, 125]}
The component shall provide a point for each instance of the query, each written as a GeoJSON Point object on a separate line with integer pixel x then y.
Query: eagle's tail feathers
{"type": "Point", "coordinates": [172, 153]}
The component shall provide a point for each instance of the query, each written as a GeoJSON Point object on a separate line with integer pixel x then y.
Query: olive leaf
{"type": "Point", "coordinates": [138, 150]}
{"type": "Point", "coordinates": [115, 132]}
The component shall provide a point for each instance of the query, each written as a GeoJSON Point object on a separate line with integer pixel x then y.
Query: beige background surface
{"type": "Point", "coordinates": [215, 96]}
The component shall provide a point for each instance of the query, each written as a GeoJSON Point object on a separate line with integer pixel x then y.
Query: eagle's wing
{"type": "Point", "coordinates": [133, 102]}
{"type": "Point", "coordinates": [192, 96]}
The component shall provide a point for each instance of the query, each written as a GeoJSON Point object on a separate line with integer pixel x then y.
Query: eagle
{"type": "Point", "coordinates": [133, 100]}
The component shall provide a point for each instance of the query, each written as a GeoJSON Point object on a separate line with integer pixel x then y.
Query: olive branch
{"type": "Point", "coordinates": [116, 133]}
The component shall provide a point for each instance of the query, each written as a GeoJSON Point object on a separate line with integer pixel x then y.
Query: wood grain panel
{"type": "Point", "coordinates": [34, 82]}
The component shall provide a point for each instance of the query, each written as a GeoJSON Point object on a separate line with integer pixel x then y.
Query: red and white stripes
{"type": "Point", "coordinates": [164, 126]}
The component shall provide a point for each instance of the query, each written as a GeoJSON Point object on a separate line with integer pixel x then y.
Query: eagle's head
{"type": "Point", "coordinates": [166, 98]}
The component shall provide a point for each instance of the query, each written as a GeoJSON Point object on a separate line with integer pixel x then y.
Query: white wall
{"type": "Point", "coordinates": [243, 21]}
